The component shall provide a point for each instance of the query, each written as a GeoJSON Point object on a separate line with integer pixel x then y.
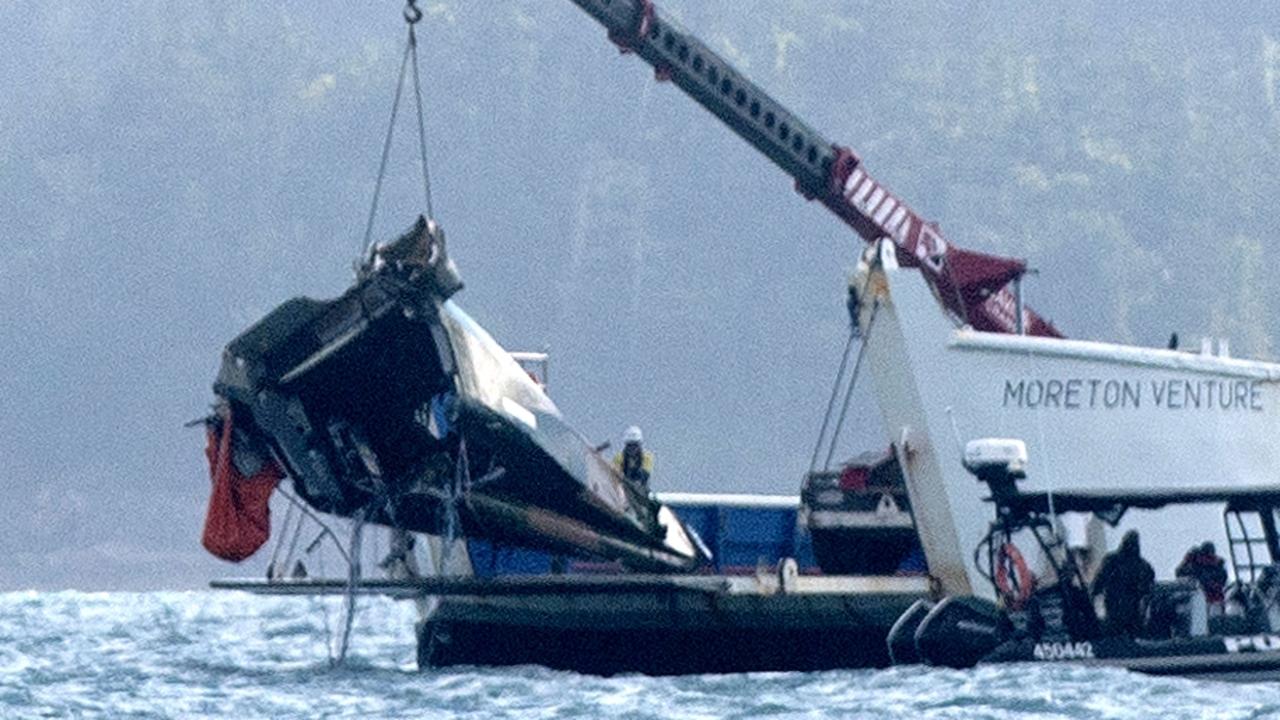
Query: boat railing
{"type": "Point", "coordinates": [831, 490]}
{"type": "Point", "coordinates": [1247, 543]}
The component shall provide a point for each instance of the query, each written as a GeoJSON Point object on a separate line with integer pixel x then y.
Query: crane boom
{"type": "Point", "coordinates": [972, 286]}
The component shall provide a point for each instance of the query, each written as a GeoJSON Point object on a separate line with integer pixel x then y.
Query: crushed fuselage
{"type": "Point", "coordinates": [391, 403]}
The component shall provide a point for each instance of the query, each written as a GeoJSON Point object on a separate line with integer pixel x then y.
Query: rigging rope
{"type": "Point", "coordinates": [831, 402]}
{"type": "Point", "coordinates": [854, 333]}
{"type": "Point", "coordinates": [325, 531]}
{"type": "Point", "coordinates": [412, 14]}
{"type": "Point", "coordinates": [422, 132]}
{"type": "Point", "coordinates": [460, 488]}
{"type": "Point", "coordinates": [353, 580]}
{"type": "Point", "coordinates": [272, 565]}
{"type": "Point", "coordinates": [853, 381]}
{"type": "Point", "coordinates": [288, 564]}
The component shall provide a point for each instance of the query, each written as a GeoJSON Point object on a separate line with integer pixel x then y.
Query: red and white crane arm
{"type": "Point", "coordinates": [975, 287]}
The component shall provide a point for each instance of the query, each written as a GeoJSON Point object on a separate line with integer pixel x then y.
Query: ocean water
{"type": "Point", "coordinates": [229, 655]}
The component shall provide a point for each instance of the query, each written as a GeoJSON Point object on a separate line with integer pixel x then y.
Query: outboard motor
{"type": "Point", "coordinates": [902, 636]}
{"type": "Point", "coordinates": [960, 631]}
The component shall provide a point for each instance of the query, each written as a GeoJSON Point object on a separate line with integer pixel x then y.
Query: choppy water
{"type": "Point", "coordinates": [207, 654]}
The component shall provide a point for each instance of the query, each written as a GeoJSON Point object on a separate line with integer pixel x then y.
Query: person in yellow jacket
{"type": "Point", "coordinates": [634, 462]}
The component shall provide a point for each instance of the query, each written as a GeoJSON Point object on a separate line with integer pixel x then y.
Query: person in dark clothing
{"type": "Point", "coordinates": [1124, 581]}
{"type": "Point", "coordinates": [1203, 565]}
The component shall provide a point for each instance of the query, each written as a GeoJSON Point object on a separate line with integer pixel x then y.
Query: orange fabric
{"type": "Point", "coordinates": [238, 521]}
{"type": "Point", "coordinates": [1015, 596]}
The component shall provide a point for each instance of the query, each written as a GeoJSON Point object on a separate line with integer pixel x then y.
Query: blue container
{"type": "Point", "coordinates": [743, 532]}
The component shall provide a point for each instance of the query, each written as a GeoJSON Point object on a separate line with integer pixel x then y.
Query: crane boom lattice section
{"type": "Point", "coordinates": [972, 286]}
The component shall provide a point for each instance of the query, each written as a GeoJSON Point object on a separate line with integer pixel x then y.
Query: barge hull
{"type": "Point", "coordinates": [652, 624]}
{"type": "Point", "coordinates": [675, 632]}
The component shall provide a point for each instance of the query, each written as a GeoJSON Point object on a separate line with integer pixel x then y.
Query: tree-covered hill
{"type": "Point", "coordinates": [169, 172]}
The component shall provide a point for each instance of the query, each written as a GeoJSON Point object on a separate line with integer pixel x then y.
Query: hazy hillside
{"type": "Point", "coordinates": [168, 173]}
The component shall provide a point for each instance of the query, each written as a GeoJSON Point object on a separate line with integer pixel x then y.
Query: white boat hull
{"type": "Point", "coordinates": [1093, 415]}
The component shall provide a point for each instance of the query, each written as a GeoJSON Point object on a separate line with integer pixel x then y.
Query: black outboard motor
{"type": "Point", "coordinates": [960, 631]}
{"type": "Point", "coordinates": [902, 636]}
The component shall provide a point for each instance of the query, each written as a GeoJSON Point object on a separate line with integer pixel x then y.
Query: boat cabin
{"type": "Point", "coordinates": [1179, 607]}
{"type": "Point", "coordinates": [859, 516]}
{"type": "Point", "coordinates": [1052, 616]}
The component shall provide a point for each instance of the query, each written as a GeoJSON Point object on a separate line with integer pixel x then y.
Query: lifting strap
{"type": "Point", "coordinates": [854, 333]}
{"type": "Point", "coordinates": [412, 14]}
{"type": "Point", "coordinates": [853, 381]}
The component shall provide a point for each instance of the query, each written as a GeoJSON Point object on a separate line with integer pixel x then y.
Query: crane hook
{"type": "Point", "coordinates": [412, 14]}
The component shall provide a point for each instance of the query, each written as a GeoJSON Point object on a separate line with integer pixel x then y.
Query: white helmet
{"type": "Point", "coordinates": [632, 435]}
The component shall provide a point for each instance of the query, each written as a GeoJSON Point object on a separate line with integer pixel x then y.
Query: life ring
{"type": "Point", "coordinates": [1019, 590]}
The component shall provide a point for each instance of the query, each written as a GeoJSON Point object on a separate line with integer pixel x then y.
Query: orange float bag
{"type": "Point", "coordinates": [238, 521]}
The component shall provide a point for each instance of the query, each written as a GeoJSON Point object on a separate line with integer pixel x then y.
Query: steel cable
{"type": "Point", "coordinates": [411, 16]}
{"type": "Point", "coordinates": [853, 381]}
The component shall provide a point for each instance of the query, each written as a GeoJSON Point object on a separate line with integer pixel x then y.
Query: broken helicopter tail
{"type": "Point", "coordinates": [390, 403]}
